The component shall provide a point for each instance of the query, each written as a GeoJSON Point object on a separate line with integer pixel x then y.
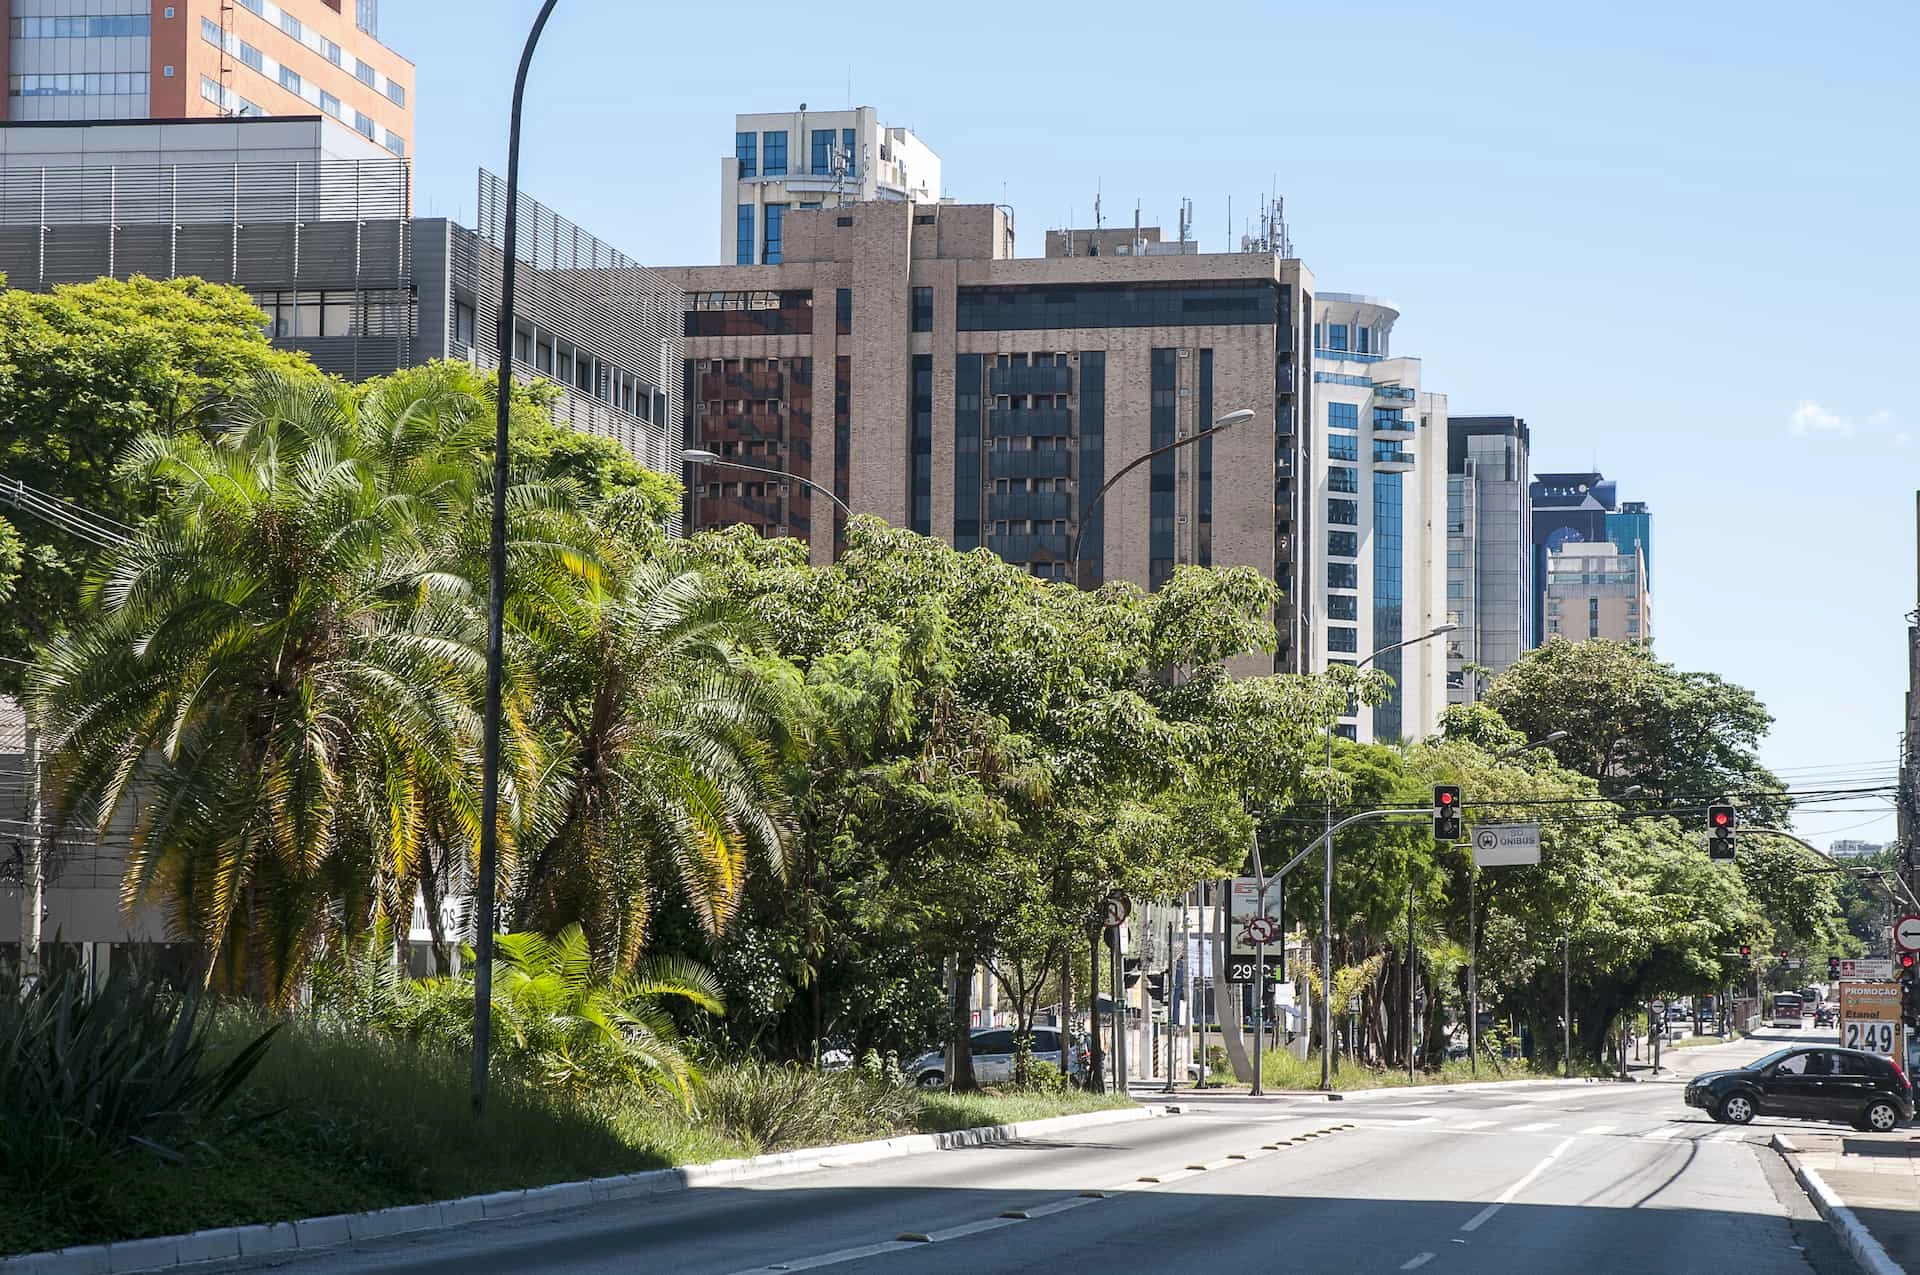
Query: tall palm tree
{"type": "Point", "coordinates": [281, 673]}
{"type": "Point", "coordinates": [666, 761]}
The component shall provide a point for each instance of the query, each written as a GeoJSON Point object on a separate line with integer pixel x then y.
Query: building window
{"type": "Point", "coordinates": [211, 92]}
{"type": "Point", "coordinates": [85, 84]}
{"type": "Point", "coordinates": [396, 143]}
{"type": "Point", "coordinates": [807, 204]}
{"type": "Point", "coordinates": [330, 104]}
{"type": "Point", "coordinates": [1343, 446]}
{"type": "Point", "coordinates": [1343, 416]}
{"type": "Point", "coordinates": [773, 147]}
{"type": "Point", "coordinates": [397, 94]}
{"type": "Point", "coordinates": [1388, 610]}
{"type": "Point", "coordinates": [1343, 606]}
{"type": "Point", "coordinates": [1593, 617]}
{"type": "Point", "coordinates": [462, 323]}
{"type": "Point", "coordinates": [770, 246]}
{"type": "Point", "coordinates": [1336, 336]}
{"type": "Point", "coordinates": [330, 51]}
{"type": "Point", "coordinates": [1343, 575]}
{"type": "Point", "coordinates": [1343, 513]}
{"type": "Point", "coordinates": [846, 148]}
{"type": "Point", "coordinates": [290, 80]}
{"type": "Point", "coordinates": [923, 309]}
{"type": "Point", "coordinates": [843, 221]}
{"type": "Point", "coordinates": [1457, 558]}
{"type": "Point", "coordinates": [843, 311]}
{"type": "Point", "coordinates": [210, 32]}
{"type": "Point", "coordinates": [363, 122]}
{"type": "Point", "coordinates": [366, 16]}
{"type": "Point", "coordinates": [290, 24]}
{"type": "Point", "coordinates": [1340, 638]}
{"type": "Point", "coordinates": [1343, 544]}
{"type": "Point", "coordinates": [822, 152]}
{"type": "Point", "coordinates": [250, 56]}
{"type": "Point", "coordinates": [920, 506]}
{"type": "Point", "coordinates": [364, 72]}
{"type": "Point", "coordinates": [254, 6]}
{"type": "Point", "coordinates": [746, 147]}
{"type": "Point", "coordinates": [166, 71]}
{"type": "Point", "coordinates": [1340, 478]}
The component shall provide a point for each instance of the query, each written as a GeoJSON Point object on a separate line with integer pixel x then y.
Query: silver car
{"type": "Point", "coordinates": [992, 1049]}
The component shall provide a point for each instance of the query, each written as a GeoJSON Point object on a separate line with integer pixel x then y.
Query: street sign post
{"type": "Point", "coordinates": [1870, 1017]}
{"type": "Point", "coordinates": [1906, 933]}
{"type": "Point", "coordinates": [1867, 968]}
{"type": "Point", "coordinates": [1115, 909]}
{"type": "Point", "coordinates": [1502, 845]}
{"type": "Point", "coordinates": [1252, 928]}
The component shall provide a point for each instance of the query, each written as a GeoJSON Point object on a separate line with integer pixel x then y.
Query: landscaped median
{"type": "Point", "coordinates": [156, 1253]}
{"type": "Point", "coordinates": [337, 1123]}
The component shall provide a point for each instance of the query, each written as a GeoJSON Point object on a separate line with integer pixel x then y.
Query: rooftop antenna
{"type": "Point", "coordinates": [1186, 221]}
{"type": "Point", "coordinates": [1229, 223]}
{"type": "Point", "coordinates": [1137, 245]}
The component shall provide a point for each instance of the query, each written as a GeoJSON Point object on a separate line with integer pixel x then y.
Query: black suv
{"type": "Point", "coordinates": [1865, 1090]}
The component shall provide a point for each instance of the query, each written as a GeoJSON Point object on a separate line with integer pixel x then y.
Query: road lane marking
{"type": "Point", "coordinates": [1540, 1126]}
{"type": "Point", "coordinates": [1662, 1133]}
{"type": "Point", "coordinates": [1726, 1135]}
{"type": "Point", "coordinates": [1506, 1197]}
{"type": "Point", "coordinates": [1425, 1120]}
{"type": "Point", "coordinates": [836, 1257]}
{"type": "Point", "coordinates": [1417, 1262]}
{"type": "Point", "coordinates": [1595, 1130]}
{"type": "Point", "coordinates": [1475, 1124]}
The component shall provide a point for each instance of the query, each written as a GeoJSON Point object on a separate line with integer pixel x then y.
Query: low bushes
{"type": "Point", "coordinates": [776, 1107]}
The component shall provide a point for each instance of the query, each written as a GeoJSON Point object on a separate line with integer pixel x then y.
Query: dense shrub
{"type": "Point", "coordinates": [776, 1107]}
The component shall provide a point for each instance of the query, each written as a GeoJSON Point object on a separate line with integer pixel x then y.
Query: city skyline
{"type": "Point", "coordinates": [1527, 293]}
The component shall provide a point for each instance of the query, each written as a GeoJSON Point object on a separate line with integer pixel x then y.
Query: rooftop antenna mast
{"type": "Point", "coordinates": [1186, 221]}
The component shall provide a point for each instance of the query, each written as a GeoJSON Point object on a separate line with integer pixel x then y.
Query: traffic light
{"type": "Point", "coordinates": [1782, 953]}
{"type": "Point", "coordinates": [1130, 967]}
{"type": "Point", "coordinates": [1446, 812]}
{"type": "Point", "coordinates": [1746, 951]}
{"type": "Point", "coordinates": [1157, 986]}
{"type": "Point", "coordinates": [1720, 823]}
{"type": "Point", "coordinates": [1909, 990]}
{"type": "Point", "coordinates": [1833, 967]}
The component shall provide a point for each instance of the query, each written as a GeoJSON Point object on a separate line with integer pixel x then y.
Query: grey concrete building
{"type": "Point", "coordinates": [901, 355]}
{"type": "Point", "coordinates": [1490, 588]}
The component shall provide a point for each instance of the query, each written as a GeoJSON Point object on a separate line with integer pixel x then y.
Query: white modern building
{"type": "Point", "coordinates": [813, 159]}
{"type": "Point", "coordinates": [1379, 486]}
{"type": "Point", "coordinates": [1489, 551]}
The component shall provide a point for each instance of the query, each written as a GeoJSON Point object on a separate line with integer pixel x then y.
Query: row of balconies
{"type": "Point", "coordinates": [1047, 378]}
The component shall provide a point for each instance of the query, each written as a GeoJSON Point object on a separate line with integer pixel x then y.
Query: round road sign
{"type": "Point", "coordinates": [1260, 930]}
{"type": "Point", "coordinates": [1906, 933]}
{"type": "Point", "coordinates": [1486, 839]}
{"type": "Point", "coordinates": [1115, 909]}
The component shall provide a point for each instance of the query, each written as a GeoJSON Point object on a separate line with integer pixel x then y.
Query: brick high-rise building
{"type": "Point", "coordinates": [136, 59]}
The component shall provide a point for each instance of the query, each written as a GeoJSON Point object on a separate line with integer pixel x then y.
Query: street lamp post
{"type": "Point", "coordinates": [700, 456]}
{"type": "Point", "coordinates": [1326, 877]}
{"type": "Point", "coordinates": [1220, 423]}
{"type": "Point", "coordinates": [497, 590]}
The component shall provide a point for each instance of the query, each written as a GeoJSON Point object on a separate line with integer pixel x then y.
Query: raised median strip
{"type": "Point", "coordinates": [167, 1252]}
{"type": "Point", "coordinates": [1853, 1233]}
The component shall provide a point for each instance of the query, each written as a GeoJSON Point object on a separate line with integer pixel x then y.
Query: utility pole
{"type": "Point", "coordinates": [1410, 969]}
{"type": "Point", "coordinates": [33, 881]}
{"type": "Point", "coordinates": [1566, 1005]}
{"type": "Point", "coordinates": [1096, 1051]}
{"type": "Point", "coordinates": [1119, 1014]}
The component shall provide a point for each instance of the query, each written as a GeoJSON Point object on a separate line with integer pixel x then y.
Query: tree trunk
{"type": "Point", "coordinates": [1066, 1012]}
{"type": "Point", "coordinates": [962, 1081]}
{"type": "Point", "coordinates": [436, 928]}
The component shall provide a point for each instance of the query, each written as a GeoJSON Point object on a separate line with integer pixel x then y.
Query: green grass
{"type": "Point", "coordinates": [941, 1112]}
{"type": "Point", "coordinates": [336, 1122]}
{"type": "Point", "coordinates": [1284, 1071]}
{"type": "Point", "coordinates": [1695, 1042]}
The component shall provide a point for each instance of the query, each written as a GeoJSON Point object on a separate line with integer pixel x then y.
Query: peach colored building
{"type": "Point", "coordinates": [137, 59]}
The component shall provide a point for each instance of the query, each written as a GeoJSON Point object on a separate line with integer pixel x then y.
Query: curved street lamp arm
{"type": "Point", "coordinates": [782, 475]}
{"type": "Point", "coordinates": [1784, 835]}
{"type": "Point", "coordinates": [1073, 546]}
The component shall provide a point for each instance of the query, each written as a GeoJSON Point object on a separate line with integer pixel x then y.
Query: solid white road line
{"type": "Point", "coordinates": [1538, 1127]}
{"type": "Point", "coordinates": [1506, 1196]}
{"type": "Point", "coordinates": [1417, 1262]}
{"type": "Point", "coordinates": [1665, 1131]}
{"type": "Point", "coordinates": [1594, 1130]}
{"type": "Point", "coordinates": [1475, 1124]}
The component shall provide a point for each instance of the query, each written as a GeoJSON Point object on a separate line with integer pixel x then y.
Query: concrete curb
{"type": "Point", "coordinates": [1852, 1231]}
{"type": "Point", "coordinates": [1385, 1092]}
{"type": "Point", "coordinates": [169, 1252]}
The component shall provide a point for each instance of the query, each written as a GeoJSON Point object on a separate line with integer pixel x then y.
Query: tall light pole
{"type": "Point", "coordinates": [700, 456]}
{"type": "Point", "coordinates": [1220, 423]}
{"type": "Point", "coordinates": [1326, 876]}
{"type": "Point", "coordinates": [497, 591]}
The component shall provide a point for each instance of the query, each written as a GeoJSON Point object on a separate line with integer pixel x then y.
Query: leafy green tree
{"type": "Point", "coordinates": [280, 666]}
{"type": "Point", "coordinates": [85, 370]}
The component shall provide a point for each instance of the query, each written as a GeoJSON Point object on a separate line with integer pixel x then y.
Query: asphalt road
{"type": "Point", "coordinates": [1524, 1179]}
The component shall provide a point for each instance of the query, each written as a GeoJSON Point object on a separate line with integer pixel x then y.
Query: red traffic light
{"type": "Point", "coordinates": [1906, 960]}
{"type": "Point", "coordinates": [1721, 818]}
{"type": "Point", "coordinates": [1746, 949]}
{"type": "Point", "coordinates": [1446, 796]}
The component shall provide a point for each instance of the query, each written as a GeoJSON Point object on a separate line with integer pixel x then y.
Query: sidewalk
{"type": "Point", "coordinates": [1868, 1188]}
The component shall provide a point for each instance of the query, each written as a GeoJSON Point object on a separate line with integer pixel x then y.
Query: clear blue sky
{"type": "Point", "coordinates": [1678, 239]}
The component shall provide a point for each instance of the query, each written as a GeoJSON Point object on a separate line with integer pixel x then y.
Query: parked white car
{"type": "Point", "coordinates": [992, 1057]}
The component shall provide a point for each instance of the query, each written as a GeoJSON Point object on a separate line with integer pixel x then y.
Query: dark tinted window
{"type": "Point", "coordinates": [1046, 1042]}
{"type": "Point", "coordinates": [1117, 305]}
{"type": "Point", "coordinates": [1860, 1065]}
{"type": "Point", "coordinates": [993, 1043]}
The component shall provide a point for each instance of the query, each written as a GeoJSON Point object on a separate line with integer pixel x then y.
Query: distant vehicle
{"type": "Point", "coordinates": [1825, 1016]}
{"type": "Point", "coordinates": [1786, 1010]}
{"type": "Point", "coordinates": [1678, 1013]}
{"type": "Point", "coordinates": [1865, 1090]}
{"type": "Point", "coordinates": [993, 1058]}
